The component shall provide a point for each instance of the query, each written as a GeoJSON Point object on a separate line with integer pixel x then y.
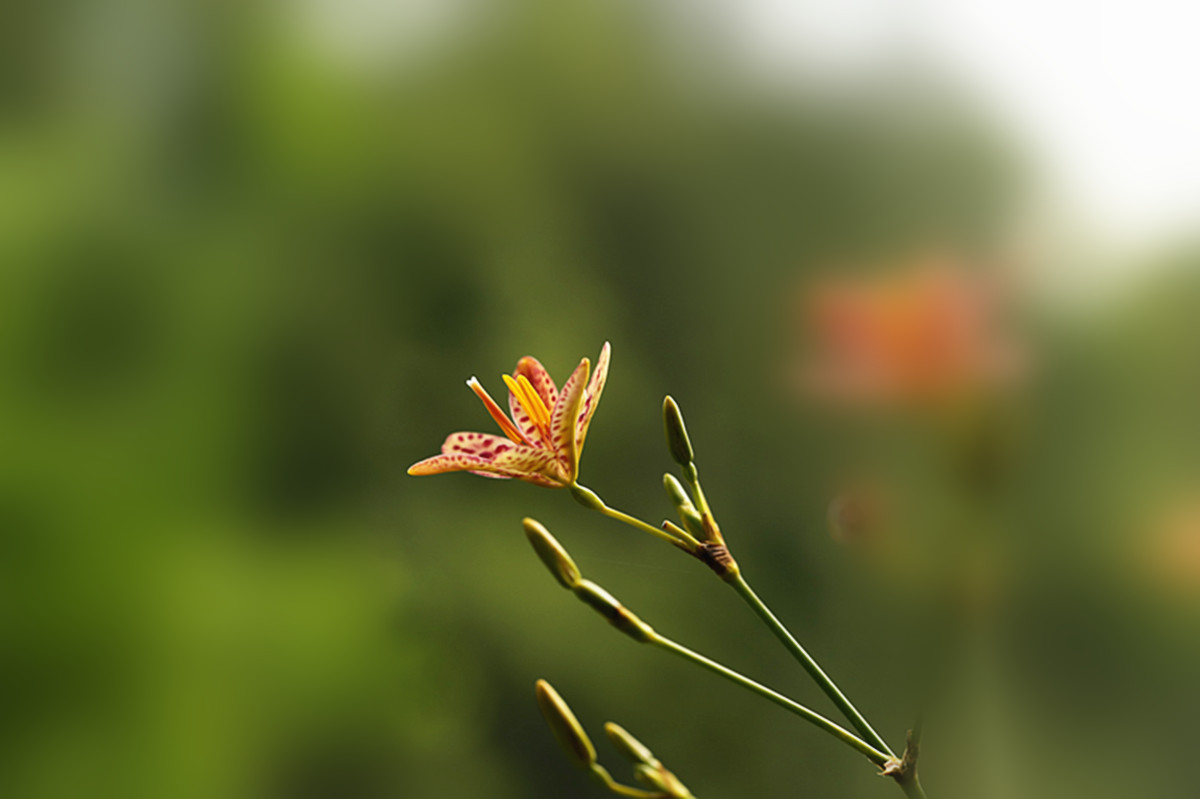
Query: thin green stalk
{"type": "Point", "coordinates": [874, 755]}
{"type": "Point", "coordinates": [604, 777]}
{"type": "Point", "coordinates": [873, 740]}
{"type": "Point", "coordinates": [822, 679]}
{"type": "Point", "coordinates": [590, 499]}
{"type": "Point", "coordinates": [912, 788]}
{"type": "Point", "coordinates": [638, 523]}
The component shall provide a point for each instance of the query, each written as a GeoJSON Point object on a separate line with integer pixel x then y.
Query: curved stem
{"type": "Point", "coordinates": [638, 523]}
{"type": "Point", "coordinates": [912, 788]}
{"type": "Point", "coordinates": [601, 774]}
{"type": "Point", "coordinates": [633, 521]}
{"type": "Point", "coordinates": [822, 679]}
{"type": "Point", "coordinates": [875, 756]}
{"type": "Point", "coordinates": [874, 747]}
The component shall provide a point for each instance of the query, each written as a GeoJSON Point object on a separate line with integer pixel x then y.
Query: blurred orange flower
{"type": "Point", "coordinates": [923, 335]}
{"type": "Point", "coordinates": [544, 436]}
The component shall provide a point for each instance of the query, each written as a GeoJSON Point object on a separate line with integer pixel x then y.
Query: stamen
{"type": "Point", "coordinates": [529, 400]}
{"type": "Point", "coordinates": [506, 425]}
{"type": "Point", "coordinates": [535, 400]}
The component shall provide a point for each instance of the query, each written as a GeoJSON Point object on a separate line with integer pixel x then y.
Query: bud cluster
{"type": "Point", "coordinates": [575, 742]}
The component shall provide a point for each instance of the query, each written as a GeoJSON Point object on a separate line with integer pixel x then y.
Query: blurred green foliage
{"type": "Point", "coordinates": [245, 272]}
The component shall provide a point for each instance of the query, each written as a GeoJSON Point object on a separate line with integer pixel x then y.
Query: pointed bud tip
{"type": "Point", "coordinates": [688, 515]}
{"type": "Point", "coordinates": [677, 437]}
{"type": "Point", "coordinates": [565, 726]}
{"type": "Point", "coordinates": [633, 749]}
{"type": "Point", "coordinates": [552, 553]}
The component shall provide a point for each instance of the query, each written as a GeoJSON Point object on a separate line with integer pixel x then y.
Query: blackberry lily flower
{"type": "Point", "coordinates": [544, 436]}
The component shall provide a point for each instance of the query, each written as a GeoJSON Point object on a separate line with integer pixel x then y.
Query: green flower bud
{"type": "Point", "coordinates": [565, 726]}
{"type": "Point", "coordinates": [677, 437]}
{"type": "Point", "coordinates": [552, 554]}
{"type": "Point", "coordinates": [651, 777]}
{"type": "Point", "coordinates": [587, 497]}
{"type": "Point", "coordinates": [683, 503]}
{"type": "Point", "coordinates": [627, 745]}
{"type": "Point", "coordinates": [659, 779]}
{"type": "Point", "coordinates": [617, 614]}
{"type": "Point", "coordinates": [676, 492]}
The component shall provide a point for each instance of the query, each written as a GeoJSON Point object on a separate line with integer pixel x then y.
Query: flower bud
{"type": "Point", "coordinates": [565, 726]}
{"type": "Point", "coordinates": [617, 614]}
{"type": "Point", "coordinates": [659, 779]}
{"type": "Point", "coordinates": [650, 777]}
{"type": "Point", "coordinates": [552, 554]}
{"type": "Point", "coordinates": [677, 437]}
{"type": "Point", "coordinates": [627, 745]}
{"type": "Point", "coordinates": [587, 497]}
{"type": "Point", "coordinates": [683, 503]}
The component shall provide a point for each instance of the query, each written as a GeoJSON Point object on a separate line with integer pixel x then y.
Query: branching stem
{"type": "Point", "coordinates": [874, 755]}
{"type": "Point", "coordinates": [814, 670]}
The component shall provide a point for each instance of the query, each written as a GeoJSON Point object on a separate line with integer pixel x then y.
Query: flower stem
{"type": "Point", "coordinates": [638, 523]}
{"type": "Point", "coordinates": [822, 679]}
{"type": "Point", "coordinates": [912, 788]}
{"type": "Point", "coordinates": [874, 755]}
{"type": "Point", "coordinates": [593, 500]}
{"type": "Point", "coordinates": [601, 774]}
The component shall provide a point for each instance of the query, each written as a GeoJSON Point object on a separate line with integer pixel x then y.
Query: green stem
{"type": "Point", "coordinates": [822, 679]}
{"type": "Point", "coordinates": [638, 523]}
{"type": "Point", "coordinates": [875, 756]}
{"type": "Point", "coordinates": [596, 503]}
{"type": "Point", "coordinates": [874, 747]}
{"type": "Point", "coordinates": [606, 779]}
{"type": "Point", "coordinates": [912, 788]}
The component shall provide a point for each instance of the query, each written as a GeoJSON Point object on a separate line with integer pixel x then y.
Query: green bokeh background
{"type": "Point", "coordinates": [248, 261]}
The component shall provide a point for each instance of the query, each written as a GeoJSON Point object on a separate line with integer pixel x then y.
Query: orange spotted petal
{"type": "Point", "coordinates": [539, 378]}
{"type": "Point", "coordinates": [591, 397]}
{"type": "Point", "coordinates": [501, 453]}
{"type": "Point", "coordinates": [512, 431]}
{"type": "Point", "coordinates": [564, 417]}
{"type": "Point", "coordinates": [543, 385]}
{"type": "Point", "coordinates": [493, 455]}
{"type": "Point", "coordinates": [441, 464]}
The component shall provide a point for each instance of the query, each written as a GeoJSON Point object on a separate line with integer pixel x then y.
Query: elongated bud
{"type": "Point", "coordinates": [627, 745]}
{"type": "Point", "coordinates": [677, 493]}
{"type": "Point", "coordinates": [587, 497]}
{"type": "Point", "coordinates": [565, 726]}
{"type": "Point", "coordinates": [683, 503]}
{"type": "Point", "coordinates": [677, 437]}
{"type": "Point", "coordinates": [659, 779]}
{"type": "Point", "coordinates": [552, 554]}
{"type": "Point", "coordinates": [651, 777]}
{"type": "Point", "coordinates": [617, 614]}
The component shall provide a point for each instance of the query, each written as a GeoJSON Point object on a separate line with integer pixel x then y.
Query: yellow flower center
{"type": "Point", "coordinates": [530, 400]}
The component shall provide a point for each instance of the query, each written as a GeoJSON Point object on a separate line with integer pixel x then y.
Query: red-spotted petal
{"type": "Point", "coordinates": [543, 384]}
{"type": "Point", "coordinates": [539, 378]}
{"type": "Point", "coordinates": [499, 457]}
{"type": "Point", "coordinates": [500, 452]}
{"type": "Point", "coordinates": [536, 479]}
{"type": "Point", "coordinates": [591, 397]}
{"type": "Point", "coordinates": [564, 416]}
